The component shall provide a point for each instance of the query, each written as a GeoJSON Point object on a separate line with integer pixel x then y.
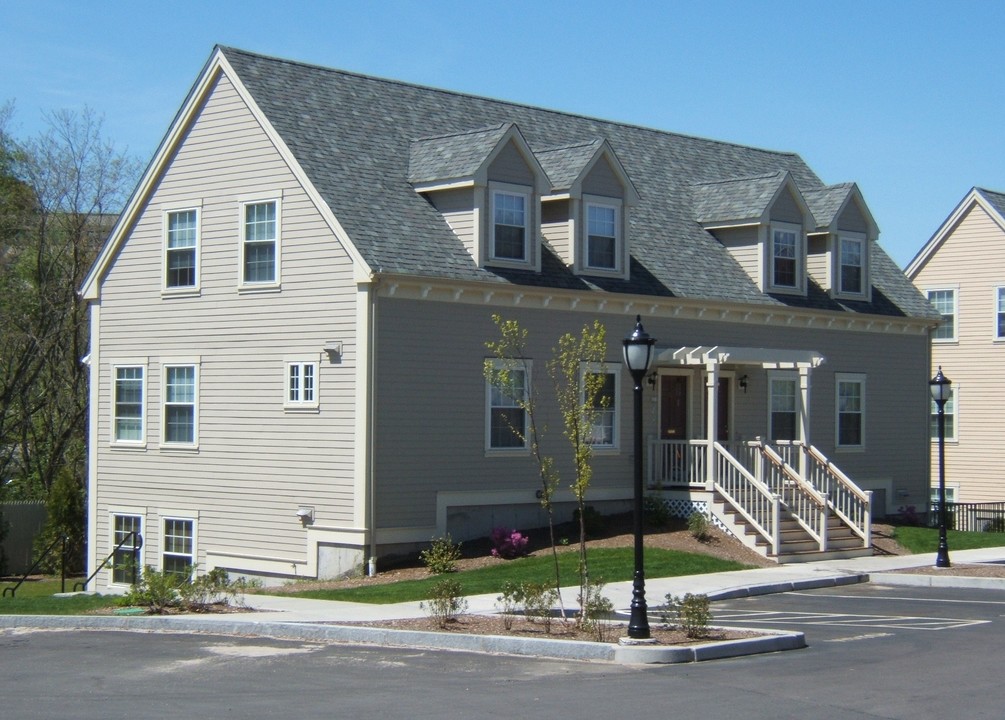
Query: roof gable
{"type": "Point", "coordinates": [992, 202]}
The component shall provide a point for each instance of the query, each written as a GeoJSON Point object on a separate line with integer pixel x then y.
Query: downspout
{"type": "Point", "coordinates": [371, 405]}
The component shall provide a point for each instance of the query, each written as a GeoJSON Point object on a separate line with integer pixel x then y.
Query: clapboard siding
{"type": "Point", "coordinates": [745, 247]}
{"type": "Point", "coordinates": [601, 180]}
{"type": "Point", "coordinates": [255, 461]}
{"type": "Point", "coordinates": [972, 260]}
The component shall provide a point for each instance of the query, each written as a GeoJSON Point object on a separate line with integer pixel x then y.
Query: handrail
{"type": "Point", "coordinates": [808, 506]}
{"type": "Point", "coordinates": [847, 500]}
{"type": "Point", "coordinates": [137, 544]}
{"type": "Point", "coordinates": [748, 496]}
{"type": "Point", "coordinates": [62, 568]}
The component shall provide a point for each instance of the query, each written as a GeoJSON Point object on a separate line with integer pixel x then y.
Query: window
{"type": "Point", "coordinates": [507, 396]}
{"type": "Point", "coordinates": [934, 496]}
{"type": "Point", "coordinates": [127, 560]}
{"type": "Point", "coordinates": [949, 410]}
{"type": "Point", "coordinates": [850, 404]}
{"type": "Point", "coordinates": [784, 405]}
{"type": "Point", "coordinates": [602, 236]}
{"type": "Point", "coordinates": [301, 384]}
{"type": "Point", "coordinates": [180, 404]}
{"type": "Point", "coordinates": [260, 246]}
{"type": "Point", "coordinates": [604, 383]}
{"type": "Point", "coordinates": [182, 248]}
{"type": "Point", "coordinates": [852, 265]}
{"type": "Point", "coordinates": [177, 557]}
{"type": "Point", "coordinates": [509, 226]}
{"type": "Point", "coordinates": [128, 413]}
{"type": "Point", "coordinates": [786, 249]}
{"type": "Point", "coordinates": [1000, 313]}
{"type": "Point", "coordinates": [945, 302]}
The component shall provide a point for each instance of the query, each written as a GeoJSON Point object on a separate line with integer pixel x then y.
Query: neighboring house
{"type": "Point", "coordinates": [962, 272]}
{"type": "Point", "coordinates": [289, 327]}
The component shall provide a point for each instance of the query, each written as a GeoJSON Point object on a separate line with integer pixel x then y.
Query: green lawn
{"type": "Point", "coordinates": [926, 540]}
{"type": "Point", "coordinates": [36, 597]}
{"type": "Point", "coordinates": [610, 564]}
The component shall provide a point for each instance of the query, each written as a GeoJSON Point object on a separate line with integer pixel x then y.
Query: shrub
{"type": "Point", "coordinates": [691, 613]}
{"type": "Point", "coordinates": [535, 600]}
{"type": "Point", "coordinates": [155, 590]}
{"type": "Point", "coordinates": [509, 602]}
{"type": "Point", "coordinates": [441, 556]}
{"type": "Point", "coordinates": [656, 512]}
{"type": "Point", "coordinates": [445, 602]}
{"type": "Point", "coordinates": [595, 608]}
{"type": "Point", "coordinates": [213, 588]}
{"type": "Point", "coordinates": [508, 544]}
{"type": "Point", "coordinates": [697, 524]}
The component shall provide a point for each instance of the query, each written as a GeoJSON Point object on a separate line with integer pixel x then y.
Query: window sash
{"type": "Point", "coordinates": [509, 237]}
{"type": "Point", "coordinates": [125, 563]}
{"type": "Point", "coordinates": [128, 420]}
{"type": "Point", "coordinates": [182, 241]}
{"type": "Point", "coordinates": [944, 301]}
{"type": "Point", "coordinates": [301, 383]}
{"type": "Point", "coordinates": [260, 235]}
{"type": "Point", "coordinates": [949, 410]}
{"type": "Point", "coordinates": [179, 403]}
{"type": "Point", "coordinates": [602, 237]}
{"type": "Point", "coordinates": [507, 417]}
{"type": "Point", "coordinates": [604, 412]}
{"type": "Point", "coordinates": [1000, 313]}
{"type": "Point", "coordinates": [177, 556]}
{"type": "Point", "coordinates": [852, 263]}
{"type": "Point", "coordinates": [851, 413]}
{"type": "Point", "coordinates": [785, 264]}
{"type": "Point", "coordinates": [784, 409]}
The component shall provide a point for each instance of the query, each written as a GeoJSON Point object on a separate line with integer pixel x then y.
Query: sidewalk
{"type": "Point", "coordinates": [283, 616]}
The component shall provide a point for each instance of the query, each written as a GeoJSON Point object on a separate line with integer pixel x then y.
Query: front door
{"type": "Point", "coordinates": [673, 407]}
{"type": "Point", "coordinates": [722, 431]}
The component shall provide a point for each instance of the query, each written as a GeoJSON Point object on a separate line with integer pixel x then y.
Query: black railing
{"type": "Point", "coordinates": [971, 517]}
{"type": "Point", "coordinates": [137, 543]}
{"type": "Point", "coordinates": [62, 567]}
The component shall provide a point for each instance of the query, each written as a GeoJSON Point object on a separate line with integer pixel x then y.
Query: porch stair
{"type": "Point", "coordinates": [795, 543]}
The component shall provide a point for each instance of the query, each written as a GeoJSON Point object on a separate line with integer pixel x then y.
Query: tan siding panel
{"type": "Point", "coordinates": [601, 180]}
{"type": "Point", "coordinates": [509, 166]}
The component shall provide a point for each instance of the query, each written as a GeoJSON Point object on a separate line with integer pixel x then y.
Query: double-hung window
{"type": "Point", "coordinates": [603, 236]}
{"type": "Point", "coordinates": [510, 226]}
{"type": "Point", "coordinates": [600, 399]}
{"type": "Point", "coordinates": [850, 403]}
{"type": "Point", "coordinates": [784, 408]}
{"type": "Point", "coordinates": [1000, 313]}
{"type": "Point", "coordinates": [786, 256]}
{"type": "Point", "coordinates": [506, 402]}
{"type": "Point", "coordinates": [180, 404]}
{"type": "Point", "coordinates": [127, 559]}
{"type": "Point", "coordinates": [852, 265]}
{"type": "Point", "coordinates": [260, 243]}
{"type": "Point", "coordinates": [944, 302]}
{"type": "Point", "coordinates": [949, 412]}
{"type": "Point", "coordinates": [182, 248]}
{"type": "Point", "coordinates": [127, 421]}
{"type": "Point", "coordinates": [301, 384]}
{"type": "Point", "coordinates": [177, 543]}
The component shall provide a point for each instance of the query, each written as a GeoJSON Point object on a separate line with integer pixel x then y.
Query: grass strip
{"type": "Point", "coordinates": [926, 540]}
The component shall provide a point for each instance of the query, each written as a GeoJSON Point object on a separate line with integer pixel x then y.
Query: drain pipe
{"type": "Point", "coordinates": [371, 372]}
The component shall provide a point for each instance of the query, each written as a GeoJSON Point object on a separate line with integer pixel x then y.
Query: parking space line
{"type": "Point", "coordinates": [897, 622]}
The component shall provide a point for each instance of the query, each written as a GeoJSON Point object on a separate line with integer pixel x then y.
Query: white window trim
{"type": "Point", "coordinates": [800, 286]}
{"type": "Point", "coordinates": [300, 405]}
{"type": "Point", "coordinates": [525, 192]}
{"type": "Point", "coordinates": [859, 379]}
{"type": "Point", "coordinates": [185, 290]}
{"type": "Point", "coordinates": [784, 376]}
{"type": "Point", "coordinates": [114, 441]}
{"type": "Point", "coordinates": [956, 312]}
{"type": "Point", "coordinates": [141, 513]}
{"type": "Point", "coordinates": [183, 517]}
{"type": "Point", "coordinates": [998, 289]}
{"type": "Point", "coordinates": [276, 283]}
{"type": "Point", "coordinates": [864, 243]}
{"type": "Point", "coordinates": [497, 364]}
{"type": "Point", "coordinates": [619, 235]}
{"type": "Point", "coordinates": [606, 369]}
{"type": "Point", "coordinates": [176, 363]}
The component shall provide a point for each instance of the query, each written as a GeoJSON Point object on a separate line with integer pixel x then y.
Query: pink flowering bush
{"type": "Point", "coordinates": [508, 544]}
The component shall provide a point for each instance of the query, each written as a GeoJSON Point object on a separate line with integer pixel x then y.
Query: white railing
{"type": "Point", "coordinates": [748, 496]}
{"type": "Point", "coordinates": [808, 506]}
{"type": "Point", "coordinates": [677, 462]}
{"type": "Point", "coordinates": [848, 501]}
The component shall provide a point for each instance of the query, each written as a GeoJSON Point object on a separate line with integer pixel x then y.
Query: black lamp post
{"type": "Point", "coordinates": [638, 356]}
{"type": "Point", "coordinates": [939, 387]}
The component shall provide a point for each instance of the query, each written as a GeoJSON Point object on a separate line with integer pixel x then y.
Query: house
{"type": "Point", "coordinates": [289, 327]}
{"type": "Point", "coordinates": [961, 270]}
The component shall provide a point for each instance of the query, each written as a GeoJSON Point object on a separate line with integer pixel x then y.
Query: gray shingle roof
{"type": "Point", "coordinates": [995, 199]}
{"type": "Point", "coordinates": [825, 202]}
{"type": "Point", "coordinates": [564, 165]}
{"type": "Point", "coordinates": [735, 198]}
{"type": "Point", "coordinates": [353, 135]}
{"type": "Point", "coordinates": [454, 155]}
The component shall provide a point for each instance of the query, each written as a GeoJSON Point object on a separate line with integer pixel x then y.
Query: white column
{"type": "Point", "coordinates": [711, 417]}
{"type": "Point", "coordinates": [804, 414]}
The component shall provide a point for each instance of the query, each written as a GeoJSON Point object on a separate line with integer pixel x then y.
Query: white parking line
{"type": "Point", "coordinates": [891, 622]}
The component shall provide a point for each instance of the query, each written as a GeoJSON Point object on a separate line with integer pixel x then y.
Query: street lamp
{"type": "Point", "coordinates": [638, 356]}
{"type": "Point", "coordinates": [939, 387]}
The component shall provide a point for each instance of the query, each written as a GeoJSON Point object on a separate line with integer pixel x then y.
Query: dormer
{"type": "Point", "coordinates": [839, 246]}
{"type": "Point", "coordinates": [487, 185]}
{"type": "Point", "coordinates": [584, 219]}
{"type": "Point", "coordinates": [763, 222]}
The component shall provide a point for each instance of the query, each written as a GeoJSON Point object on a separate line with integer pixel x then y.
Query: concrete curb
{"type": "Point", "coordinates": [937, 581]}
{"type": "Point", "coordinates": [775, 641]}
{"type": "Point", "coordinates": [788, 586]}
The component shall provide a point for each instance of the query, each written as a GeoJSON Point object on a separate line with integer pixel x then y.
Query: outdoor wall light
{"type": "Point", "coordinates": [743, 384]}
{"type": "Point", "coordinates": [306, 515]}
{"type": "Point", "coordinates": [333, 348]}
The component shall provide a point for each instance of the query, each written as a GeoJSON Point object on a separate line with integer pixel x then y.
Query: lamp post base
{"type": "Point", "coordinates": [638, 624]}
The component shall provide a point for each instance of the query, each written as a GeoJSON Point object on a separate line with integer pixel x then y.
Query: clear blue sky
{"type": "Point", "coordinates": [903, 97]}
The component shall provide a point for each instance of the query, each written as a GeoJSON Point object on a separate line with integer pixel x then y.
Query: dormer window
{"type": "Point", "coordinates": [852, 264]}
{"type": "Point", "coordinates": [786, 256]}
{"type": "Point", "coordinates": [603, 236]}
{"type": "Point", "coordinates": [509, 225]}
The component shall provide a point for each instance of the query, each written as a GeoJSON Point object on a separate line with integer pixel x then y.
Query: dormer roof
{"type": "Point", "coordinates": [567, 166]}
{"type": "Point", "coordinates": [828, 203]}
{"type": "Point", "coordinates": [742, 201]}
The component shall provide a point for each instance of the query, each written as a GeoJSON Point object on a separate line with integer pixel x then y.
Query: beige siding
{"type": "Point", "coordinates": [818, 258]}
{"type": "Point", "coordinates": [556, 228]}
{"type": "Point", "coordinates": [745, 247]}
{"type": "Point", "coordinates": [457, 208]}
{"type": "Point", "coordinates": [431, 400]}
{"type": "Point", "coordinates": [972, 259]}
{"type": "Point", "coordinates": [852, 219]}
{"type": "Point", "coordinates": [510, 166]}
{"type": "Point", "coordinates": [601, 180]}
{"type": "Point", "coordinates": [255, 463]}
{"type": "Point", "coordinates": [786, 209]}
